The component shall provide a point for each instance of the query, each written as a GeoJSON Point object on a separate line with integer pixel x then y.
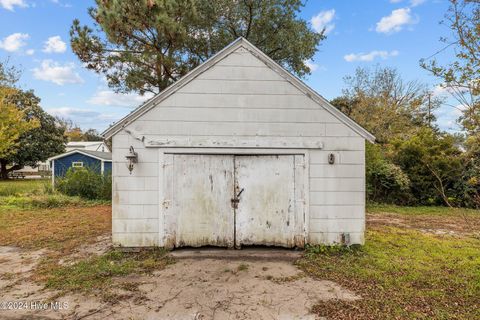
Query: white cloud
{"type": "Point", "coordinates": [323, 20]}
{"type": "Point", "coordinates": [441, 90]}
{"type": "Point", "coordinates": [352, 57]}
{"type": "Point", "coordinates": [395, 21]}
{"type": "Point", "coordinates": [54, 45]}
{"type": "Point", "coordinates": [111, 98]}
{"type": "Point", "coordinates": [85, 118]}
{"type": "Point", "coordinates": [311, 65]}
{"type": "Point", "coordinates": [65, 5]}
{"type": "Point", "coordinates": [14, 42]}
{"type": "Point", "coordinates": [57, 73]}
{"type": "Point", "coordinates": [415, 3]}
{"type": "Point", "coordinates": [447, 117]}
{"type": "Point", "coordinates": [67, 112]}
{"type": "Point", "coordinates": [30, 52]}
{"type": "Point", "coordinates": [11, 4]}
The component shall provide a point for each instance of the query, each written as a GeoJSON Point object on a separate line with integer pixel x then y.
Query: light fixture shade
{"type": "Point", "coordinates": [132, 158]}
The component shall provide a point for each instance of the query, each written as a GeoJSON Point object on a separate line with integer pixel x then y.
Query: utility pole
{"type": "Point", "coordinates": [429, 117]}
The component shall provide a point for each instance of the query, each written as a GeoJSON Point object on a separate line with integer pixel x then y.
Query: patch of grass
{"type": "Point", "coordinates": [7, 276]}
{"type": "Point", "coordinates": [281, 280]}
{"type": "Point", "coordinates": [242, 267]}
{"type": "Point", "coordinates": [45, 201]}
{"type": "Point", "coordinates": [421, 211]}
{"type": "Point", "coordinates": [37, 193]}
{"type": "Point", "coordinates": [59, 228]}
{"type": "Point", "coordinates": [331, 250]}
{"type": "Point", "coordinates": [401, 274]}
{"type": "Point", "coordinates": [20, 187]}
{"type": "Point", "coordinates": [96, 274]}
{"type": "Point", "coordinates": [13, 187]}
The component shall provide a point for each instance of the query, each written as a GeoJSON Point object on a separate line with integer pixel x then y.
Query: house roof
{"type": "Point", "coordinates": [102, 156]}
{"type": "Point", "coordinates": [83, 143]}
{"type": "Point", "coordinates": [240, 42]}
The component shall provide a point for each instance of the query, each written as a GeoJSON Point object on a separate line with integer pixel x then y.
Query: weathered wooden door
{"type": "Point", "coordinates": [227, 200]}
{"type": "Point", "coordinates": [199, 191]}
{"type": "Point", "coordinates": [266, 213]}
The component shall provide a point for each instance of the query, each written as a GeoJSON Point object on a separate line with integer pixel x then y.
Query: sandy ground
{"type": "Point", "coordinates": [239, 285]}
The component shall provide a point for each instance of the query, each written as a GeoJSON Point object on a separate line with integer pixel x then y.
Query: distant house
{"type": "Point", "coordinates": [77, 158]}
{"type": "Point", "coordinates": [87, 145]}
{"type": "Point", "coordinates": [43, 168]}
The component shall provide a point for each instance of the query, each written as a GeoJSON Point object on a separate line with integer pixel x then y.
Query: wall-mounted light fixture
{"type": "Point", "coordinates": [132, 158]}
{"type": "Point", "coordinates": [331, 158]}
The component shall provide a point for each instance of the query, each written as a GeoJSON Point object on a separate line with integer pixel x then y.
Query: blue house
{"type": "Point", "coordinates": [95, 160]}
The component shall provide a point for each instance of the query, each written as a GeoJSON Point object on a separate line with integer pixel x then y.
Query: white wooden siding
{"type": "Point", "coordinates": [225, 73]}
{"type": "Point", "coordinates": [247, 100]}
{"type": "Point", "coordinates": [336, 212]}
{"type": "Point", "coordinates": [242, 58]}
{"type": "Point", "coordinates": [242, 98]}
{"type": "Point", "coordinates": [240, 114]}
{"type": "Point", "coordinates": [239, 87]}
{"type": "Point", "coordinates": [135, 204]}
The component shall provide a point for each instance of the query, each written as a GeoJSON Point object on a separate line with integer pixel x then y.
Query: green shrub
{"type": "Point", "coordinates": [386, 182]}
{"type": "Point", "coordinates": [86, 183]}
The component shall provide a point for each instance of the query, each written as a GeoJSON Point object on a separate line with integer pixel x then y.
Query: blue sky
{"type": "Point", "coordinates": [34, 34]}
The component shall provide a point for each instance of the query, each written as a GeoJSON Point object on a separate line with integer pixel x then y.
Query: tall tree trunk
{"type": "Point", "coordinates": [3, 170]}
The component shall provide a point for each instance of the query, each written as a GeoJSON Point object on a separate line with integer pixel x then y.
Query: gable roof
{"type": "Point", "coordinates": [102, 156]}
{"type": "Point", "coordinates": [240, 42]}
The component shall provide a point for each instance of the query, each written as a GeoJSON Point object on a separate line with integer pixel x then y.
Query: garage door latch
{"type": "Point", "coordinates": [236, 199]}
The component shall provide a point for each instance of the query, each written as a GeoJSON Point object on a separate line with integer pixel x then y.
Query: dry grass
{"type": "Point", "coordinates": [435, 220]}
{"type": "Point", "coordinates": [60, 229]}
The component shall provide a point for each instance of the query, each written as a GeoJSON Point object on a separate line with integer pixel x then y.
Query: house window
{"type": "Point", "coordinates": [78, 164]}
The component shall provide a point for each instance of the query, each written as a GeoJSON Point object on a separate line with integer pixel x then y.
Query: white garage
{"type": "Point", "coordinates": [238, 152]}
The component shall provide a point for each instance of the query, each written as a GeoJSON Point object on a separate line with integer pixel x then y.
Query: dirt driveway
{"type": "Point", "coordinates": [246, 284]}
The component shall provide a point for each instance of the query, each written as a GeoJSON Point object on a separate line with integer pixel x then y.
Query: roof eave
{"type": "Point", "coordinates": [77, 151]}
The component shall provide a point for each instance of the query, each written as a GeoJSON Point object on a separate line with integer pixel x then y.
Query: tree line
{"type": "Point", "coordinates": [413, 161]}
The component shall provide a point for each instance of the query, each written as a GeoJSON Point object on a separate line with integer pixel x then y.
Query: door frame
{"type": "Point", "coordinates": [162, 240]}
